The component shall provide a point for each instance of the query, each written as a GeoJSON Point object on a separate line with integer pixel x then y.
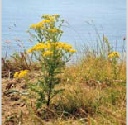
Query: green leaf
{"type": "Point", "coordinates": [38, 104]}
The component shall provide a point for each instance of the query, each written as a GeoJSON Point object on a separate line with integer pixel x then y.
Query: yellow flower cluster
{"type": "Point", "coordinates": [114, 55]}
{"type": "Point", "coordinates": [39, 25]}
{"type": "Point", "coordinates": [21, 74]}
{"type": "Point", "coordinates": [48, 19]}
{"type": "Point", "coordinates": [47, 53]}
{"type": "Point", "coordinates": [47, 47]}
{"type": "Point", "coordinates": [38, 46]}
{"type": "Point", "coordinates": [65, 46]}
{"type": "Point", "coordinates": [55, 30]}
{"type": "Point", "coordinates": [51, 17]}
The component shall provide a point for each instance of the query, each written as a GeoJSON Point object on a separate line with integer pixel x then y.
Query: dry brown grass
{"type": "Point", "coordinates": [91, 97]}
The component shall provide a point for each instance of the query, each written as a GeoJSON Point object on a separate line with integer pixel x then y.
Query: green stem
{"type": "Point", "coordinates": [50, 88]}
{"type": "Point", "coordinates": [49, 95]}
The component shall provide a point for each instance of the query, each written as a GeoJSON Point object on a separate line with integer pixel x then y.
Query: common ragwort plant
{"type": "Point", "coordinates": [52, 54]}
{"type": "Point", "coordinates": [114, 56]}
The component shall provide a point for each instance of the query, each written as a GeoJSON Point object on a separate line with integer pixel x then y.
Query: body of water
{"type": "Point", "coordinates": [109, 17]}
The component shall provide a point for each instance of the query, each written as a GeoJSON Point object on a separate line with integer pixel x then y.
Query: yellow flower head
{"type": "Point", "coordinates": [16, 74]}
{"type": "Point", "coordinates": [47, 53]}
{"type": "Point", "coordinates": [39, 25]}
{"type": "Point", "coordinates": [21, 74]}
{"type": "Point", "coordinates": [46, 21]}
{"type": "Point", "coordinates": [114, 55]}
{"type": "Point", "coordinates": [52, 30]}
{"type": "Point", "coordinates": [33, 26]}
{"type": "Point", "coordinates": [37, 47]}
{"type": "Point", "coordinates": [29, 50]}
{"type": "Point", "coordinates": [72, 50]}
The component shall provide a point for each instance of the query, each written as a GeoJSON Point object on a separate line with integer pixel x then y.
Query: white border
{"type": "Point", "coordinates": [0, 60]}
{"type": "Point", "coordinates": [127, 60]}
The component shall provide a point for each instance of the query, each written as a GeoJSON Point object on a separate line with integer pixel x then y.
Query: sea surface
{"type": "Point", "coordinates": [84, 20]}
